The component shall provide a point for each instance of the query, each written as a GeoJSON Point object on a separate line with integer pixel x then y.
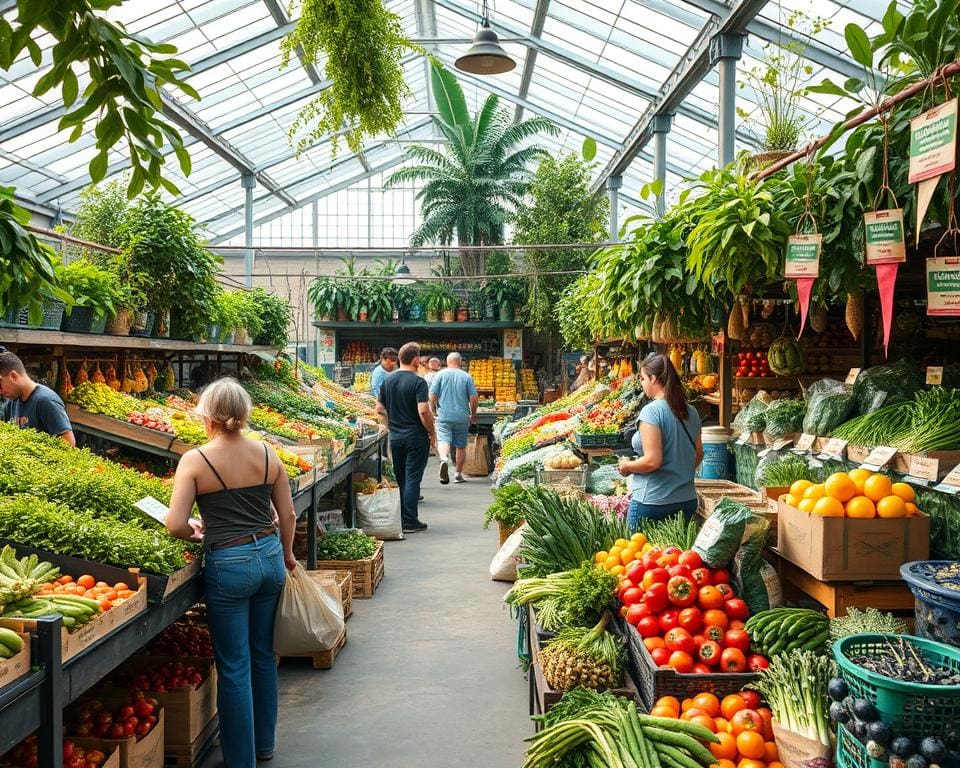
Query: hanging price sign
{"type": "Point", "coordinates": [934, 375]}
{"type": "Point", "coordinates": [803, 256]}
{"type": "Point", "coordinates": [933, 141]}
{"type": "Point", "coordinates": [943, 286]}
{"type": "Point", "coordinates": [884, 237]}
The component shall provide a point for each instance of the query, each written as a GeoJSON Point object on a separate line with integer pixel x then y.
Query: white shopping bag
{"type": "Point", "coordinates": [308, 618]}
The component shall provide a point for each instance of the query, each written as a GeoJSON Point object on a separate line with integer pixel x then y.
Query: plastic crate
{"type": "Point", "coordinates": [912, 709]}
{"type": "Point", "coordinates": [936, 588]}
{"type": "Point", "coordinates": [597, 441]}
{"type": "Point", "coordinates": [852, 754]}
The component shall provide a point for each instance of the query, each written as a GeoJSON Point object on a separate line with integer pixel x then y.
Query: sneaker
{"type": "Point", "coordinates": [414, 528]}
{"type": "Point", "coordinates": [459, 478]}
{"type": "Point", "coordinates": [444, 471]}
{"type": "Point", "coordinates": [420, 498]}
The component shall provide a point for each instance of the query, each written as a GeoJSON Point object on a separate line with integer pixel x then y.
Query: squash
{"type": "Point", "coordinates": [676, 357]}
{"type": "Point", "coordinates": [854, 314]}
{"type": "Point", "coordinates": [735, 323]}
{"type": "Point", "coordinates": [818, 318]}
{"type": "Point", "coordinates": [786, 357]}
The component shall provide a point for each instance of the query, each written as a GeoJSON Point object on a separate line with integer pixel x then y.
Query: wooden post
{"type": "Point", "coordinates": [726, 383]}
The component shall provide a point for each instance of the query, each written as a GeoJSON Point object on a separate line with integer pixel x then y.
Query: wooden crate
{"type": "Point", "coordinates": [367, 573]}
{"type": "Point", "coordinates": [113, 753]}
{"type": "Point", "coordinates": [322, 659]}
{"type": "Point", "coordinates": [143, 753]}
{"type": "Point", "coordinates": [188, 755]}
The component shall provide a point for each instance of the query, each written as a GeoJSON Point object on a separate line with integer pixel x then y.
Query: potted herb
{"type": "Point", "coordinates": [324, 294]}
{"type": "Point", "coordinates": [502, 294]}
{"type": "Point", "coordinates": [438, 300]}
{"type": "Point", "coordinates": [94, 291]}
{"type": "Point", "coordinates": [507, 509]}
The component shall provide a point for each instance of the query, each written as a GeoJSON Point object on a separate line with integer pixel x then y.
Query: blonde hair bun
{"type": "Point", "coordinates": [226, 404]}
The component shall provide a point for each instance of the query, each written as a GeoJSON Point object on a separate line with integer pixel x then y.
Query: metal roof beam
{"type": "Point", "coordinates": [280, 16]}
{"type": "Point", "coordinates": [530, 61]}
{"type": "Point", "coordinates": [425, 14]}
{"type": "Point", "coordinates": [689, 71]}
{"type": "Point", "coordinates": [340, 186]}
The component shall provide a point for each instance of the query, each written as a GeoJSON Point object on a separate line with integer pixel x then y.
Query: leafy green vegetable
{"type": "Point", "coordinates": [795, 687]}
{"type": "Point", "coordinates": [346, 545]}
{"type": "Point", "coordinates": [871, 621]}
{"type": "Point", "coordinates": [507, 507]}
{"type": "Point", "coordinates": [784, 417]}
{"type": "Point", "coordinates": [673, 531]}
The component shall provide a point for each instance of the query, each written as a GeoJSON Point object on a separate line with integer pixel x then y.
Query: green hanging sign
{"type": "Point", "coordinates": [803, 256]}
{"type": "Point", "coordinates": [884, 237]}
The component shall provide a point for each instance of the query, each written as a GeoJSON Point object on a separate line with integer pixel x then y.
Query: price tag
{"type": "Point", "coordinates": [764, 452]}
{"type": "Point", "coordinates": [805, 442]}
{"type": "Point", "coordinates": [878, 458]}
{"type": "Point", "coordinates": [153, 507]}
{"type": "Point", "coordinates": [852, 376]}
{"type": "Point", "coordinates": [935, 375]}
{"type": "Point", "coordinates": [951, 483]}
{"type": "Point", "coordinates": [744, 438]}
{"type": "Point", "coordinates": [923, 468]}
{"type": "Point", "coordinates": [783, 442]}
{"type": "Point", "coordinates": [834, 449]}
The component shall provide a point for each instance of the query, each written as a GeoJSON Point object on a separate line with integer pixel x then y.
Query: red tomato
{"type": "Point", "coordinates": [632, 596]}
{"type": "Point", "coordinates": [714, 632]}
{"type": "Point", "coordinates": [732, 660]}
{"type": "Point", "coordinates": [672, 551]}
{"type": "Point", "coordinates": [736, 608]}
{"type": "Point", "coordinates": [648, 626]}
{"type": "Point", "coordinates": [737, 638]}
{"type": "Point", "coordinates": [669, 619]}
{"type": "Point", "coordinates": [681, 591]}
{"type": "Point", "coordinates": [757, 663]}
{"type": "Point", "coordinates": [691, 620]}
{"type": "Point", "coordinates": [721, 576]}
{"type": "Point", "coordinates": [747, 720]}
{"type": "Point", "coordinates": [678, 639]}
{"type": "Point", "coordinates": [666, 560]}
{"type": "Point", "coordinates": [692, 559]}
{"type": "Point", "coordinates": [649, 560]}
{"type": "Point", "coordinates": [681, 661]}
{"type": "Point", "coordinates": [767, 716]}
{"type": "Point", "coordinates": [635, 572]}
{"type": "Point", "coordinates": [725, 589]}
{"type": "Point", "coordinates": [715, 617]}
{"type": "Point", "coordinates": [679, 570]}
{"type": "Point", "coordinates": [660, 656]}
{"type": "Point", "coordinates": [624, 585]}
{"type": "Point", "coordinates": [655, 575]}
{"type": "Point", "coordinates": [736, 624]}
{"type": "Point", "coordinates": [636, 612]}
{"type": "Point", "coordinates": [702, 577]}
{"type": "Point", "coordinates": [145, 707]}
{"type": "Point", "coordinates": [702, 669]}
{"type": "Point", "coordinates": [751, 697]}
{"type": "Point", "coordinates": [656, 597]}
{"type": "Point", "coordinates": [710, 598]}
{"type": "Point", "coordinates": [117, 731]}
{"type": "Point", "coordinates": [709, 653]}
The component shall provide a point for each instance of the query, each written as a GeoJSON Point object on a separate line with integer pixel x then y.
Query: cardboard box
{"type": "Point", "coordinates": [146, 753]}
{"type": "Point", "coordinates": [161, 587]}
{"type": "Point", "coordinates": [845, 549]}
{"type": "Point", "coordinates": [17, 666]}
{"type": "Point", "coordinates": [112, 752]}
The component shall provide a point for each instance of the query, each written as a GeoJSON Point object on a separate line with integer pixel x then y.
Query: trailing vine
{"type": "Point", "coordinates": [360, 44]}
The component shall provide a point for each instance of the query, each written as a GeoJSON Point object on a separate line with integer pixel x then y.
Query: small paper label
{"type": "Point", "coordinates": [852, 376]}
{"type": "Point", "coordinates": [953, 478]}
{"type": "Point", "coordinates": [803, 256]}
{"type": "Point", "coordinates": [879, 457]}
{"type": "Point", "coordinates": [923, 467]}
{"type": "Point", "coordinates": [884, 237]}
{"type": "Point", "coordinates": [782, 443]}
{"type": "Point", "coordinates": [834, 448]}
{"type": "Point", "coordinates": [805, 443]}
{"type": "Point", "coordinates": [935, 375]}
{"type": "Point", "coordinates": [153, 507]}
{"type": "Point", "coordinates": [933, 142]}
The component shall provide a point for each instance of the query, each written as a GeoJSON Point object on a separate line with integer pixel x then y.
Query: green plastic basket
{"type": "Point", "coordinates": [912, 709]}
{"type": "Point", "coordinates": [852, 754]}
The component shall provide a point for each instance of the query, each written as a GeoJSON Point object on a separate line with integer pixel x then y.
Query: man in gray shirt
{"type": "Point", "coordinates": [30, 404]}
{"type": "Point", "coordinates": [453, 396]}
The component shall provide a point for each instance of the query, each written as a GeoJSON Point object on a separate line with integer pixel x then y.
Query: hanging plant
{"type": "Point", "coordinates": [359, 43]}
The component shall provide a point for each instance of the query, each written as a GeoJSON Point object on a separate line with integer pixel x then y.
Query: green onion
{"type": "Point", "coordinates": [795, 687]}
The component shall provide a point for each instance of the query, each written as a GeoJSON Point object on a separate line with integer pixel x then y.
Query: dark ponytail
{"type": "Point", "coordinates": [660, 367]}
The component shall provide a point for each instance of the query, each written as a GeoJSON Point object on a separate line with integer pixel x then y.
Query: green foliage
{"type": "Point", "coordinates": [161, 244]}
{"type": "Point", "coordinates": [27, 274]}
{"type": "Point", "coordinates": [274, 313]}
{"type": "Point", "coordinates": [100, 218]}
{"type": "Point", "coordinates": [576, 313]}
{"type": "Point", "coordinates": [346, 545]}
{"type": "Point", "coordinates": [437, 297]}
{"type": "Point", "coordinates": [472, 183]}
{"type": "Point", "coordinates": [507, 507]}
{"type": "Point", "coordinates": [127, 72]}
{"type": "Point", "coordinates": [91, 286]}
{"type": "Point", "coordinates": [324, 294]}
{"type": "Point", "coordinates": [561, 209]}
{"type": "Point", "coordinates": [237, 309]}
{"type": "Point", "coordinates": [359, 43]}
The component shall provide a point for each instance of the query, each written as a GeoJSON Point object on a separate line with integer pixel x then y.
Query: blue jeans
{"type": "Point", "coordinates": [243, 586]}
{"type": "Point", "coordinates": [638, 510]}
{"type": "Point", "coordinates": [409, 460]}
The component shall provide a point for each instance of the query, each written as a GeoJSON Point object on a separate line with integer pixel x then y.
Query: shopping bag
{"type": "Point", "coordinates": [378, 513]}
{"type": "Point", "coordinates": [309, 619]}
{"type": "Point", "coordinates": [505, 562]}
{"type": "Point", "coordinates": [478, 461]}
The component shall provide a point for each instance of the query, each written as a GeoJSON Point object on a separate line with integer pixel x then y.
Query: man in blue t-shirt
{"type": "Point", "coordinates": [32, 405]}
{"type": "Point", "coordinates": [453, 396]}
{"type": "Point", "coordinates": [388, 364]}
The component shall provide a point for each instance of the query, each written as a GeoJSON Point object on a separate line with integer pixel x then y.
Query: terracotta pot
{"type": "Point", "coordinates": [341, 315]}
{"type": "Point", "coordinates": [119, 324]}
{"type": "Point", "coordinates": [449, 316]}
{"type": "Point", "coordinates": [463, 315]}
{"type": "Point", "coordinates": [363, 315]}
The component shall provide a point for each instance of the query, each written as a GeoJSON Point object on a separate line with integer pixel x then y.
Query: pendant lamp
{"type": "Point", "coordinates": [402, 275]}
{"type": "Point", "coordinates": [485, 56]}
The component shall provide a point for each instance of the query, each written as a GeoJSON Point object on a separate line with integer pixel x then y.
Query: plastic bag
{"type": "Point", "coordinates": [751, 417]}
{"type": "Point", "coordinates": [755, 580]}
{"type": "Point", "coordinates": [720, 538]}
{"type": "Point", "coordinates": [309, 619]}
{"type": "Point", "coordinates": [829, 404]}
{"type": "Point", "coordinates": [378, 513]}
{"type": "Point", "coordinates": [505, 562]}
{"type": "Point", "coordinates": [885, 384]}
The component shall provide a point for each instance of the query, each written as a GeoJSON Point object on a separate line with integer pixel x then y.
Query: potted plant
{"type": "Point", "coordinates": [438, 301]}
{"type": "Point", "coordinates": [241, 311]}
{"type": "Point", "coordinates": [94, 291]}
{"type": "Point", "coordinates": [324, 294]}
{"type": "Point", "coordinates": [130, 296]}
{"type": "Point", "coordinates": [379, 301]}
{"type": "Point", "coordinates": [274, 314]}
{"type": "Point", "coordinates": [485, 302]}
{"type": "Point", "coordinates": [502, 294]}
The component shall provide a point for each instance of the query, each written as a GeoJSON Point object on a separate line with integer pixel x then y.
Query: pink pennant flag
{"type": "Point", "coordinates": [886, 282]}
{"type": "Point", "coordinates": [804, 289]}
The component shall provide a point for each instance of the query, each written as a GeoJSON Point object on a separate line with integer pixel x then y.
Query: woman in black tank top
{"type": "Point", "coordinates": [236, 487]}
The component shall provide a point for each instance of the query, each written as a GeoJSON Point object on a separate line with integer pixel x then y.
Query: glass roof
{"type": "Point", "coordinates": [597, 67]}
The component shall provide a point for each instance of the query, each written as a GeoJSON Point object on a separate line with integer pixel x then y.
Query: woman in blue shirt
{"type": "Point", "coordinates": [668, 444]}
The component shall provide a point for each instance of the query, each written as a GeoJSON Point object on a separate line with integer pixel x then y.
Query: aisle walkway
{"type": "Point", "coordinates": [429, 674]}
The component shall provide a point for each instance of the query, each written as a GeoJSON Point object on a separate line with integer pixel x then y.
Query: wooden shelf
{"type": "Point", "coordinates": [31, 336]}
{"type": "Point", "coordinates": [356, 325]}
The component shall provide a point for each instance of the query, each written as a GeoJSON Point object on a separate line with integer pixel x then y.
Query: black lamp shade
{"type": "Point", "coordinates": [402, 276]}
{"type": "Point", "coordinates": [485, 56]}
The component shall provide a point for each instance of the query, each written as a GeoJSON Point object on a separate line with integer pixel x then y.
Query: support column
{"type": "Point", "coordinates": [613, 184]}
{"type": "Point", "coordinates": [725, 50]}
{"type": "Point", "coordinates": [661, 127]}
{"type": "Point", "coordinates": [249, 181]}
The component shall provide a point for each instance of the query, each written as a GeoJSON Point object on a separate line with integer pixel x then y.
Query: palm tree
{"type": "Point", "coordinates": [478, 178]}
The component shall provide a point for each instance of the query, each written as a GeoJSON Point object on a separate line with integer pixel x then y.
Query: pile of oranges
{"type": "Point", "coordinates": [858, 493]}
{"type": "Point", "coordinates": [745, 728]}
{"type": "Point", "coordinates": [622, 553]}
{"type": "Point", "coordinates": [87, 586]}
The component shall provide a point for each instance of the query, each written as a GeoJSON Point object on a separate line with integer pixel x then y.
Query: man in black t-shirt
{"type": "Point", "coordinates": [30, 404]}
{"type": "Point", "coordinates": [404, 400]}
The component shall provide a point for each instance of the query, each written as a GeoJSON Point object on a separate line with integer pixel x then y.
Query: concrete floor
{"type": "Point", "coordinates": [429, 673]}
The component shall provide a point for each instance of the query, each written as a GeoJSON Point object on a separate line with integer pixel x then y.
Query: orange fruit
{"type": "Point", "coordinates": [771, 755]}
{"type": "Point", "coordinates": [904, 491]}
{"type": "Point", "coordinates": [775, 764]}
{"type": "Point", "coordinates": [639, 539]}
{"type": "Point", "coordinates": [723, 763]}
{"type": "Point", "coordinates": [749, 763]}
{"type": "Point", "coordinates": [611, 561]}
{"type": "Point", "coordinates": [828, 506]}
{"type": "Point", "coordinates": [86, 581]}
{"type": "Point", "coordinates": [807, 505]}
{"type": "Point", "coordinates": [891, 506]}
{"type": "Point", "coordinates": [708, 703]}
{"type": "Point", "coordinates": [722, 725]}
{"type": "Point", "coordinates": [912, 509]}
{"type": "Point", "coordinates": [619, 570]}
{"type": "Point", "coordinates": [716, 617]}
{"type": "Point", "coordinates": [601, 556]}
{"type": "Point", "coordinates": [750, 745]}
{"type": "Point", "coordinates": [861, 507]}
{"type": "Point", "coordinates": [662, 711]}
{"type": "Point", "coordinates": [628, 555]}
{"type": "Point", "coordinates": [877, 486]}
{"type": "Point", "coordinates": [817, 491]}
{"type": "Point", "coordinates": [840, 486]}
{"type": "Point", "coordinates": [799, 486]}
{"type": "Point", "coordinates": [731, 705]}
{"type": "Point", "coordinates": [726, 747]}
{"type": "Point", "coordinates": [859, 477]}
{"type": "Point", "coordinates": [792, 501]}
{"type": "Point", "coordinates": [621, 543]}
{"type": "Point", "coordinates": [687, 704]}
{"type": "Point", "coordinates": [669, 701]}
{"type": "Point", "coordinates": [706, 721]}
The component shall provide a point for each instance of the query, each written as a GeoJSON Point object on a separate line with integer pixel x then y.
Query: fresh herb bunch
{"type": "Point", "coordinates": [795, 687]}
{"type": "Point", "coordinates": [346, 545]}
{"type": "Point", "coordinates": [35, 522]}
{"type": "Point", "coordinates": [871, 621]}
{"type": "Point", "coordinates": [507, 507]}
{"type": "Point", "coordinates": [673, 531]}
{"type": "Point", "coordinates": [781, 472]}
{"type": "Point", "coordinates": [784, 416]}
